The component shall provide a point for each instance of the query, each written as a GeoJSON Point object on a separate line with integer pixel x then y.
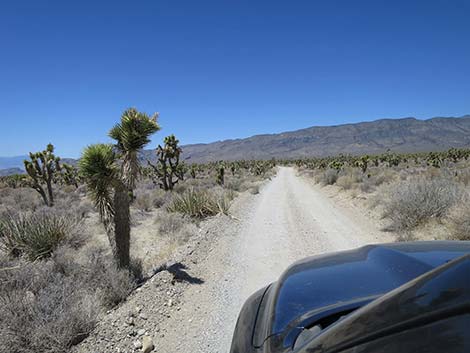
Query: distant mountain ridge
{"type": "Point", "coordinates": [12, 162]}
{"type": "Point", "coordinates": [375, 137]}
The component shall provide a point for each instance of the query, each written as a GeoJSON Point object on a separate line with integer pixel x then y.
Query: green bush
{"type": "Point", "coordinates": [36, 235]}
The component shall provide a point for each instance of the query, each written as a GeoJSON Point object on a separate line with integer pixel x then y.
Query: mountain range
{"type": "Point", "coordinates": [400, 135]}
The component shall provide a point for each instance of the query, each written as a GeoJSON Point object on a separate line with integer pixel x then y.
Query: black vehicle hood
{"type": "Point", "coordinates": [343, 281]}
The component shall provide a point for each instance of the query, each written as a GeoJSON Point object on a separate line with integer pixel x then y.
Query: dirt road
{"type": "Point", "coordinates": [289, 220]}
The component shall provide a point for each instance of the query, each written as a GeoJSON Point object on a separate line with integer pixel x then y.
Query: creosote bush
{"type": "Point", "coordinates": [411, 202]}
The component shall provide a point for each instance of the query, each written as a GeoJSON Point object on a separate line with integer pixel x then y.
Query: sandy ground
{"type": "Point", "coordinates": [195, 310]}
{"type": "Point", "coordinates": [289, 220]}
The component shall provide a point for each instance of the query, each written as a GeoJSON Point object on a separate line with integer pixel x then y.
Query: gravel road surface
{"type": "Point", "coordinates": [289, 220]}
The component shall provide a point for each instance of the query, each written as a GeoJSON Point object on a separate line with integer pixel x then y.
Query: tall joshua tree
{"type": "Point", "coordinates": [111, 171]}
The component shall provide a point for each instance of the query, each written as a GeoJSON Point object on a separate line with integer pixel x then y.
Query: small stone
{"type": "Point", "coordinates": [147, 344]}
{"type": "Point", "coordinates": [143, 316]}
{"type": "Point", "coordinates": [141, 332]}
{"type": "Point", "coordinates": [137, 344]}
{"type": "Point", "coordinates": [130, 321]}
{"type": "Point", "coordinates": [170, 302]}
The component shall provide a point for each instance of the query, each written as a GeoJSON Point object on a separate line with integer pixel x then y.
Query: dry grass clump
{"type": "Point", "coordinates": [411, 202]}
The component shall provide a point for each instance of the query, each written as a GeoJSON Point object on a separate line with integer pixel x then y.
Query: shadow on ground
{"type": "Point", "coordinates": [179, 272]}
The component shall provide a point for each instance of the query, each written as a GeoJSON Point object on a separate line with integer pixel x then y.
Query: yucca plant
{"type": "Point", "coordinates": [111, 171]}
{"type": "Point", "coordinates": [35, 235]}
{"type": "Point", "coordinates": [194, 203]}
{"type": "Point", "coordinates": [200, 203]}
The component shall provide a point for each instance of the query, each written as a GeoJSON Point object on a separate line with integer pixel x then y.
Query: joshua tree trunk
{"type": "Point", "coordinates": [50, 193]}
{"type": "Point", "coordinates": [41, 192]}
{"type": "Point", "coordinates": [122, 228]}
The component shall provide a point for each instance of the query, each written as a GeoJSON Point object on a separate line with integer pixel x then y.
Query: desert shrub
{"type": "Point", "coordinates": [114, 284]}
{"type": "Point", "coordinates": [20, 199]}
{"type": "Point", "coordinates": [254, 189]}
{"type": "Point", "coordinates": [345, 181]}
{"type": "Point", "coordinates": [83, 208]}
{"type": "Point", "coordinates": [50, 305]}
{"type": "Point", "coordinates": [463, 176]}
{"type": "Point", "coordinates": [98, 272]}
{"type": "Point", "coordinates": [414, 201]}
{"type": "Point", "coordinates": [170, 223]}
{"type": "Point", "coordinates": [36, 235]}
{"type": "Point", "coordinates": [43, 310]}
{"type": "Point", "coordinates": [175, 227]}
{"type": "Point", "coordinates": [160, 198]}
{"type": "Point", "coordinates": [367, 185]}
{"type": "Point", "coordinates": [181, 187]}
{"type": "Point", "coordinates": [234, 184]}
{"type": "Point", "coordinates": [459, 221]}
{"type": "Point", "coordinates": [143, 202]}
{"type": "Point", "coordinates": [328, 177]}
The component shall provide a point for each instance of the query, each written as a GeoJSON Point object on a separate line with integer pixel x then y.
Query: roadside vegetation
{"type": "Point", "coordinates": [77, 240]}
{"type": "Point", "coordinates": [420, 195]}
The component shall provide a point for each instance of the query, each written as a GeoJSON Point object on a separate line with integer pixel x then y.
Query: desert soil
{"type": "Point", "coordinates": [196, 310]}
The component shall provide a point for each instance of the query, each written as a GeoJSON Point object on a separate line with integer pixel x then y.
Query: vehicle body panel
{"type": "Point", "coordinates": [337, 283]}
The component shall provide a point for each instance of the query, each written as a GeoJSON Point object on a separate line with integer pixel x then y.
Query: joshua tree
{"type": "Point", "coordinates": [111, 171]}
{"type": "Point", "coordinates": [220, 174]}
{"type": "Point", "coordinates": [362, 162]}
{"type": "Point", "coordinates": [42, 169]}
{"type": "Point", "coordinates": [168, 170]}
{"type": "Point", "coordinates": [69, 175]}
{"type": "Point", "coordinates": [192, 172]}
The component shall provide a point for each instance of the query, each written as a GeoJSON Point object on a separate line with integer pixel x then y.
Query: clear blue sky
{"type": "Point", "coordinates": [224, 69]}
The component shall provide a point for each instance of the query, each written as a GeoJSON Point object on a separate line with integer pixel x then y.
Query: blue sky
{"type": "Point", "coordinates": [224, 69]}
